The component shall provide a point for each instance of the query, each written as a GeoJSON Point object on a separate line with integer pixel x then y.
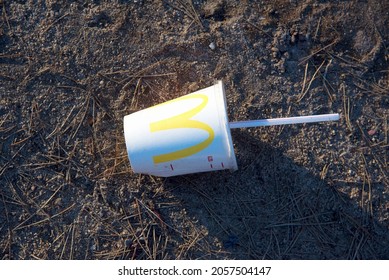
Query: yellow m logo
{"type": "Point", "coordinates": [183, 121]}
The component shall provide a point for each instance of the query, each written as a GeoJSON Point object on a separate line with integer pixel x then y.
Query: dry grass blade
{"type": "Point", "coordinates": [86, 109]}
{"type": "Point", "coordinates": [367, 178]}
{"type": "Point", "coordinates": [16, 55]}
{"type": "Point", "coordinates": [326, 83]}
{"type": "Point", "coordinates": [187, 7]}
{"type": "Point", "coordinates": [19, 227]}
{"type": "Point", "coordinates": [5, 15]}
{"type": "Point", "coordinates": [359, 245]}
{"type": "Point", "coordinates": [60, 128]}
{"type": "Point", "coordinates": [155, 214]}
{"type": "Point", "coordinates": [3, 120]}
{"type": "Point", "coordinates": [186, 247]}
{"type": "Point", "coordinates": [324, 171]}
{"type": "Point", "coordinates": [301, 96]}
{"type": "Point", "coordinates": [129, 78]}
{"type": "Point", "coordinates": [382, 167]}
{"type": "Point", "coordinates": [65, 241]}
{"type": "Point", "coordinates": [54, 22]}
{"type": "Point", "coordinates": [5, 166]}
{"type": "Point", "coordinates": [305, 59]}
{"type": "Point", "coordinates": [346, 108]}
{"type": "Point", "coordinates": [305, 79]}
{"type": "Point", "coordinates": [317, 28]}
{"type": "Point", "coordinates": [259, 29]}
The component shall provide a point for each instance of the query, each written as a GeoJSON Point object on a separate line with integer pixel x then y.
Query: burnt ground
{"type": "Point", "coordinates": [70, 71]}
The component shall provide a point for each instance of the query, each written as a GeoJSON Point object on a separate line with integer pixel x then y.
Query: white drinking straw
{"type": "Point", "coordinates": [281, 121]}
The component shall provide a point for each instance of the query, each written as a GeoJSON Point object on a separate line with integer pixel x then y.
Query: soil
{"type": "Point", "coordinates": [71, 70]}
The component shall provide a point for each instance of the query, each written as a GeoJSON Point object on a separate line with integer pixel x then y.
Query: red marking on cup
{"type": "Point", "coordinates": [210, 158]}
{"type": "Point", "coordinates": [211, 166]}
{"type": "Point", "coordinates": [171, 166]}
{"type": "Point", "coordinates": [222, 165]}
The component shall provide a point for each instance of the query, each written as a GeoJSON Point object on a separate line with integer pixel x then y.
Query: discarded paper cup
{"type": "Point", "coordinates": [186, 135]}
{"type": "Point", "coordinates": [191, 134]}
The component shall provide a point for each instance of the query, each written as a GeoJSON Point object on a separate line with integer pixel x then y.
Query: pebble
{"type": "Point", "coordinates": [212, 46]}
{"type": "Point", "coordinates": [293, 39]}
{"type": "Point", "coordinates": [371, 132]}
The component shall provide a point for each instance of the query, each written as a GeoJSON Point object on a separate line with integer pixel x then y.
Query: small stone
{"type": "Point", "coordinates": [212, 46]}
{"type": "Point", "coordinates": [371, 132]}
{"type": "Point", "coordinates": [293, 39]}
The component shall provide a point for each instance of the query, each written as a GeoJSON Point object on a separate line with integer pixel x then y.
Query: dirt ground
{"type": "Point", "coordinates": [70, 71]}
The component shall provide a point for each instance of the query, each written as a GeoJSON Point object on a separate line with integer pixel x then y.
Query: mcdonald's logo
{"type": "Point", "coordinates": [184, 121]}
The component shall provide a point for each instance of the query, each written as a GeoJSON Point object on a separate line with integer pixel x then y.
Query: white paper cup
{"type": "Point", "coordinates": [189, 134]}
